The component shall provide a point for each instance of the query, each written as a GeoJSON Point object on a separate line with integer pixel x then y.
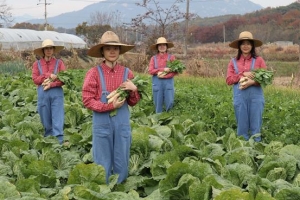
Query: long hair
{"type": "Point", "coordinates": [252, 52]}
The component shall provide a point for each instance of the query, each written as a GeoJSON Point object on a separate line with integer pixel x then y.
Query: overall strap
{"type": "Point", "coordinates": [155, 62]}
{"type": "Point", "coordinates": [125, 74]}
{"type": "Point", "coordinates": [235, 66]}
{"type": "Point", "coordinates": [56, 66]}
{"type": "Point", "coordinates": [253, 64]}
{"type": "Point", "coordinates": [169, 56]}
{"type": "Point", "coordinates": [40, 67]}
{"type": "Point", "coordinates": [101, 76]}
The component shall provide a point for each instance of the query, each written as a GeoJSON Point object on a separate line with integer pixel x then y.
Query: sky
{"type": "Point", "coordinates": [36, 8]}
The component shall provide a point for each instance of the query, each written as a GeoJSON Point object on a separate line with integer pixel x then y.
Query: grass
{"type": "Point", "coordinates": [12, 67]}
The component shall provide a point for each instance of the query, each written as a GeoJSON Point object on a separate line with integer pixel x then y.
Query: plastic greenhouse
{"type": "Point", "coordinates": [25, 39]}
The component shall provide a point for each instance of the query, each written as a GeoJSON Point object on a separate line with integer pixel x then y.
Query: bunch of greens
{"type": "Point", "coordinates": [263, 77]}
{"type": "Point", "coordinates": [121, 94]}
{"type": "Point", "coordinates": [64, 76]}
{"type": "Point", "coordinates": [176, 66]}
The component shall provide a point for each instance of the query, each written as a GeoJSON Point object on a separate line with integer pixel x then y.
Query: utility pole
{"type": "Point", "coordinates": [46, 22]}
{"type": "Point", "coordinates": [186, 27]}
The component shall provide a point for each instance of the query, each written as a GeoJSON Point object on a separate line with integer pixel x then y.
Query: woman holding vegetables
{"type": "Point", "coordinates": [162, 77]}
{"type": "Point", "coordinates": [50, 104]}
{"type": "Point", "coordinates": [111, 133]}
{"type": "Point", "coordinates": [248, 97]}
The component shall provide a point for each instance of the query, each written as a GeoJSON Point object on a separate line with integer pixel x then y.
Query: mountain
{"type": "Point", "coordinates": [130, 10]}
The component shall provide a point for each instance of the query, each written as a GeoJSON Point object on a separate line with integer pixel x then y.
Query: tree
{"type": "Point", "coordinates": [26, 25]}
{"type": "Point", "coordinates": [5, 14]}
{"type": "Point", "coordinates": [158, 21]}
{"type": "Point", "coordinates": [91, 33]}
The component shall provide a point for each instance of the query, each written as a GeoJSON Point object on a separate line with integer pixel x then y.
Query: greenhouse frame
{"type": "Point", "coordinates": [25, 39]}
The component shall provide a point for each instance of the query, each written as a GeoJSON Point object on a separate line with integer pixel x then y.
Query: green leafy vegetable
{"type": "Point", "coordinates": [263, 77]}
{"type": "Point", "coordinates": [176, 66]}
{"type": "Point", "coordinates": [123, 94]}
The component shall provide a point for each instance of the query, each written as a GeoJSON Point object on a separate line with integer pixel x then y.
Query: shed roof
{"type": "Point", "coordinates": [25, 39]}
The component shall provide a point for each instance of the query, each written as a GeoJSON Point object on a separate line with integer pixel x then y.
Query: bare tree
{"type": "Point", "coordinates": [158, 21]}
{"type": "Point", "coordinates": [112, 19]}
{"type": "Point", "coordinates": [5, 14]}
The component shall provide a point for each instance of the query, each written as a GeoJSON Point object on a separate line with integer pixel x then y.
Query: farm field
{"type": "Point", "coordinates": [191, 152]}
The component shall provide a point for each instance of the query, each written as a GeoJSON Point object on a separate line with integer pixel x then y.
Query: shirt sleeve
{"type": "Point", "coordinates": [151, 68]}
{"type": "Point", "coordinates": [133, 97]}
{"type": "Point", "coordinates": [91, 93]}
{"type": "Point", "coordinates": [232, 77]}
{"type": "Point", "coordinates": [36, 77]}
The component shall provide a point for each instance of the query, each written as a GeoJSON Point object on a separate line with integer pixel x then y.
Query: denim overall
{"type": "Point", "coordinates": [112, 136]}
{"type": "Point", "coordinates": [50, 107]}
{"type": "Point", "coordinates": [248, 107]}
{"type": "Point", "coordinates": [163, 91]}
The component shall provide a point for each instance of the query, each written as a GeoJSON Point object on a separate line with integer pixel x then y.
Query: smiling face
{"type": "Point", "coordinates": [111, 53]}
{"type": "Point", "coordinates": [162, 48]}
{"type": "Point", "coordinates": [246, 47]}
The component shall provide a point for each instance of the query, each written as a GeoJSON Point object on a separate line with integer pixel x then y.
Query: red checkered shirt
{"type": "Point", "coordinates": [92, 88]}
{"type": "Point", "coordinates": [161, 64]}
{"type": "Point", "coordinates": [48, 69]}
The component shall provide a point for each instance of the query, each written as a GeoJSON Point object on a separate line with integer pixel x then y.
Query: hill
{"type": "Point", "coordinates": [269, 24]}
{"type": "Point", "coordinates": [128, 10]}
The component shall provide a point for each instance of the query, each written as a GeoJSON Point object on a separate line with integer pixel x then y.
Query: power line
{"type": "Point", "coordinates": [46, 22]}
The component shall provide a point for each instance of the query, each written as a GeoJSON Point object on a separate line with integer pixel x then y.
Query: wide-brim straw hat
{"type": "Point", "coordinates": [245, 35]}
{"type": "Point", "coordinates": [161, 40]}
{"type": "Point", "coordinates": [108, 38]}
{"type": "Point", "coordinates": [47, 43]}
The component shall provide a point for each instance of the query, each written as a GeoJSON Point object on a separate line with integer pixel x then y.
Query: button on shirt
{"type": "Point", "coordinates": [92, 88]}
{"type": "Point", "coordinates": [244, 65]}
{"type": "Point", "coordinates": [161, 64]}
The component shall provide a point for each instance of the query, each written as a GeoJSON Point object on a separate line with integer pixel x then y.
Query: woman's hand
{"type": "Point", "coordinates": [246, 84]}
{"type": "Point", "coordinates": [117, 103]}
{"type": "Point", "coordinates": [53, 76]}
{"type": "Point", "coordinates": [161, 74]}
{"type": "Point", "coordinates": [249, 75]}
{"type": "Point", "coordinates": [128, 85]}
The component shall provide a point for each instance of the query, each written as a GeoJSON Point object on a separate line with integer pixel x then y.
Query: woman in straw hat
{"type": "Point", "coordinates": [50, 103]}
{"type": "Point", "coordinates": [111, 134]}
{"type": "Point", "coordinates": [248, 98]}
{"type": "Point", "coordinates": [162, 78]}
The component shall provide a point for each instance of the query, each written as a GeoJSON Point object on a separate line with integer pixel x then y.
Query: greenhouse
{"type": "Point", "coordinates": [25, 39]}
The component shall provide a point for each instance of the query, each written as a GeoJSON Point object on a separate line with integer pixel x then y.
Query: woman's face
{"type": "Point", "coordinates": [246, 47]}
{"type": "Point", "coordinates": [48, 51]}
{"type": "Point", "coordinates": [162, 48]}
{"type": "Point", "coordinates": [111, 53]}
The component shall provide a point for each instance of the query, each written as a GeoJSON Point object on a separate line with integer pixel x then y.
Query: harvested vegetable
{"type": "Point", "coordinates": [243, 82]}
{"type": "Point", "coordinates": [121, 94]}
{"type": "Point", "coordinates": [64, 76]}
{"type": "Point", "coordinates": [263, 77]}
{"type": "Point", "coordinates": [175, 66]}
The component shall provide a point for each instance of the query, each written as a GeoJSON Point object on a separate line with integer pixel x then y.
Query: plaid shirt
{"type": "Point", "coordinates": [92, 88]}
{"type": "Point", "coordinates": [161, 64]}
{"type": "Point", "coordinates": [244, 65]}
{"type": "Point", "coordinates": [48, 69]}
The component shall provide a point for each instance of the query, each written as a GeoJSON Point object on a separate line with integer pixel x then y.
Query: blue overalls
{"type": "Point", "coordinates": [112, 136]}
{"type": "Point", "coordinates": [248, 107]}
{"type": "Point", "coordinates": [50, 107]}
{"type": "Point", "coordinates": [163, 91]}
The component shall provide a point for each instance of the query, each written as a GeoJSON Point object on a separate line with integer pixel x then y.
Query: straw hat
{"type": "Point", "coordinates": [108, 38]}
{"type": "Point", "coordinates": [161, 40]}
{"type": "Point", "coordinates": [47, 43]}
{"type": "Point", "coordinates": [245, 35]}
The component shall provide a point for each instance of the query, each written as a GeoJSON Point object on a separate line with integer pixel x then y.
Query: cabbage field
{"type": "Point", "coordinates": [191, 152]}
